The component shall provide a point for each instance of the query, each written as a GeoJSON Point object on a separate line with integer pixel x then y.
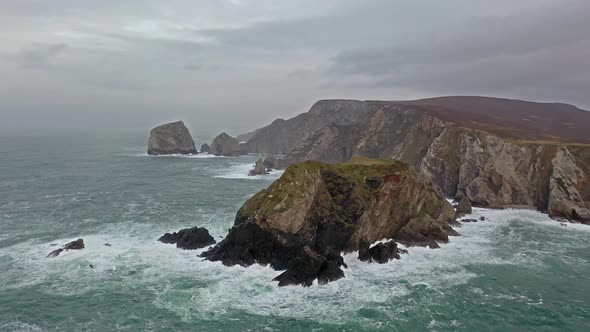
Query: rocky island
{"type": "Point", "coordinates": [225, 145]}
{"type": "Point", "coordinates": [171, 138]}
{"type": "Point", "coordinates": [315, 211]}
{"type": "Point", "coordinates": [495, 152]}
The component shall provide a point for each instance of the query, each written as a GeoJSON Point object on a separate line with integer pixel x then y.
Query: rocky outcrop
{"type": "Point", "coordinates": [315, 211]}
{"type": "Point", "coordinates": [189, 238]}
{"type": "Point", "coordinates": [225, 145]}
{"type": "Point", "coordinates": [380, 253]}
{"type": "Point", "coordinates": [495, 152]}
{"type": "Point", "coordinates": [171, 138]}
{"type": "Point", "coordinates": [464, 206]}
{"type": "Point", "coordinates": [259, 168]}
{"type": "Point", "coordinates": [205, 148]}
{"type": "Point", "coordinates": [74, 245]}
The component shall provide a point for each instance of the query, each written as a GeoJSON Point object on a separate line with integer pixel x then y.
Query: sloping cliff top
{"type": "Point", "coordinates": [510, 118]}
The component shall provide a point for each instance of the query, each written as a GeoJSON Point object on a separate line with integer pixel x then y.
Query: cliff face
{"type": "Point", "coordinates": [542, 164]}
{"type": "Point", "coordinates": [171, 138]}
{"type": "Point", "coordinates": [319, 210]}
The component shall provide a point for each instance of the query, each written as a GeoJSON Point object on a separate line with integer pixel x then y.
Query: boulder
{"type": "Point", "coordinates": [464, 206]}
{"type": "Point", "coordinates": [258, 169]}
{"type": "Point", "coordinates": [205, 148]}
{"type": "Point", "coordinates": [171, 138]}
{"type": "Point", "coordinates": [189, 238]}
{"type": "Point", "coordinates": [380, 253]}
{"type": "Point", "coordinates": [225, 145]}
{"type": "Point", "coordinates": [315, 211]}
{"type": "Point", "coordinates": [74, 245]}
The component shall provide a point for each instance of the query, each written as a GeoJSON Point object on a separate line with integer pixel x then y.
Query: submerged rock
{"type": "Point", "coordinates": [225, 145]}
{"type": "Point", "coordinates": [258, 169]}
{"type": "Point", "coordinates": [315, 211]}
{"type": "Point", "coordinates": [74, 245]}
{"type": "Point", "coordinates": [189, 238]}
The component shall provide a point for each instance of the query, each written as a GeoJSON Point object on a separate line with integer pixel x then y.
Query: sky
{"type": "Point", "coordinates": [236, 65]}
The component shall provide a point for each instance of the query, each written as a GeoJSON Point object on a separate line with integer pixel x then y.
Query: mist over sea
{"type": "Point", "coordinates": [516, 271]}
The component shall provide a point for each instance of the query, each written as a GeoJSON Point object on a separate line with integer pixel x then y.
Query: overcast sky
{"type": "Point", "coordinates": [237, 64]}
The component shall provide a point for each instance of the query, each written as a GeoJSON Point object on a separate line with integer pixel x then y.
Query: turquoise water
{"type": "Point", "coordinates": [519, 271]}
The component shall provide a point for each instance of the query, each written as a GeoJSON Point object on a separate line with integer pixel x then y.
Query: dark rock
{"type": "Point", "coordinates": [464, 206]}
{"type": "Point", "coordinates": [189, 238]}
{"type": "Point", "coordinates": [258, 169]}
{"type": "Point", "coordinates": [380, 253]}
{"type": "Point", "coordinates": [225, 145]}
{"type": "Point", "coordinates": [468, 220]}
{"type": "Point", "coordinates": [107, 244]}
{"type": "Point", "coordinates": [310, 265]}
{"type": "Point", "coordinates": [171, 138]}
{"type": "Point", "coordinates": [205, 148]}
{"type": "Point", "coordinates": [482, 218]}
{"type": "Point", "coordinates": [55, 253]}
{"type": "Point", "coordinates": [74, 245]}
{"type": "Point", "coordinates": [248, 243]}
{"type": "Point", "coordinates": [78, 244]}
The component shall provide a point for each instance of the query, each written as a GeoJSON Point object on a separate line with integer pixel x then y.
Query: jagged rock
{"type": "Point", "coordinates": [74, 245]}
{"type": "Point", "coordinates": [380, 253]}
{"type": "Point", "coordinates": [258, 169]}
{"type": "Point", "coordinates": [464, 206]}
{"type": "Point", "coordinates": [205, 148]}
{"type": "Point", "coordinates": [171, 138]}
{"type": "Point", "coordinates": [225, 145]}
{"type": "Point", "coordinates": [482, 218]}
{"type": "Point", "coordinates": [468, 220]}
{"type": "Point", "coordinates": [189, 238]}
{"type": "Point", "coordinates": [315, 211]}
{"type": "Point", "coordinates": [78, 244]}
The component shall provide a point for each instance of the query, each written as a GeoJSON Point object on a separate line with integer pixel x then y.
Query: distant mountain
{"type": "Point", "coordinates": [497, 152]}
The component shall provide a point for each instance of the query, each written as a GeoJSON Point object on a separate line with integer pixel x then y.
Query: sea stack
{"type": "Point", "coordinates": [225, 145]}
{"type": "Point", "coordinates": [171, 138]}
{"type": "Point", "coordinates": [315, 211]}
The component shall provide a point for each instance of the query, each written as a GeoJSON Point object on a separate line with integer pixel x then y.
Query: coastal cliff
{"type": "Point", "coordinates": [496, 152]}
{"type": "Point", "coordinates": [315, 211]}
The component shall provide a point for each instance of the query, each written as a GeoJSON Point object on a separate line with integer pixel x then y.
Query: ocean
{"type": "Point", "coordinates": [516, 271]}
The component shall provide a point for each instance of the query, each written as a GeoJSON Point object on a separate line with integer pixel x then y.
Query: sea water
{"type": "Point", "coordinates": [516, 271]}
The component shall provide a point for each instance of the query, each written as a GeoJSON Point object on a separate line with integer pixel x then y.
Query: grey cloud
{"type": "Point", "coordinates": [542, 54]}
{"type": "Point", "coordinates": [38, 55]}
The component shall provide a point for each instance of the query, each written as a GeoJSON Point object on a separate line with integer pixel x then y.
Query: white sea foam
{"type": "Point", "coordinates": [188, 286]}
{"type": "Point", "coordinates": [189, 156]}
{"type": "Point", "coordinates": [240, 171]}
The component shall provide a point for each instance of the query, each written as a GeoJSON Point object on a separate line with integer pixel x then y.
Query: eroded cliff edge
{"type": "Point", "coordinates": [315, 211]}
{"type": "Point", "coordinates": [497, 152]}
